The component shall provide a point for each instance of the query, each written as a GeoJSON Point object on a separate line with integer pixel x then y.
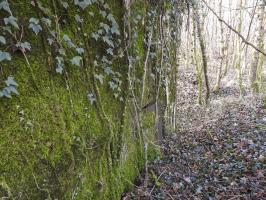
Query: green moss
{"type": "Point", "coordinates": [44, 142]}
{"type": "Point", "coordinates": [52, 143]}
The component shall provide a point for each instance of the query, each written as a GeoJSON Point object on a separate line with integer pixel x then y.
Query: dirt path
{"type": "Point", "coordinates": [224, 159]}
{"type": "Point", "coordinates": [219, 154]}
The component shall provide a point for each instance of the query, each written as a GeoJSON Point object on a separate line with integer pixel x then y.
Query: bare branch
{"type": "Point", "coordinates": [234, 30]}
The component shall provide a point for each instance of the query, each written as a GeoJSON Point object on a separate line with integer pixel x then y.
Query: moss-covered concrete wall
{"type": "Point", "coordinates": [55, 144]}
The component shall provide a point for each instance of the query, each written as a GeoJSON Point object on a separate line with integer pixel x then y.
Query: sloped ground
{"type": "Point", "coordinates": [219, 153]}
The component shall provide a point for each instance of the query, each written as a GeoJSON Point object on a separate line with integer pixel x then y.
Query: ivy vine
{"type": "Point", "coordinates": [67, 51]}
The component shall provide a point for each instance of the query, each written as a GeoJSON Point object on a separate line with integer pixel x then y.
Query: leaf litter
{"type": "Point", "coordinates": [221, 155]}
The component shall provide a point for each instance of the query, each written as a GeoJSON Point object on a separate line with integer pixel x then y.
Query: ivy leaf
{"type": "Point", "coordinates": [68, 40]}
{"type": "Point", "coordinates": [103, 13]}
{"type": "Point", "coordinates": [4, 56]}
{"type": "Point", "coordinates": [12, 21]}
{"type": "Point", "coordinates": [153, 55]}
{"type": "Point", "coordinates": [115, 29]}
{"type": "Point", "coordinates": [71, 44]}
{"type": "Point", "coordinates": [118, 74]}
{"type": "Point", "coordinates": [105, 60]}
{"type": "Point", "coordinates": [105, 26]}
{"type": "Point", "coordinates": [108, 70]}
{"type": "Point", "coordinates": [112, 85]}
{"type": "Point", "coordinates": [47, 11]}
{"type": "Point", "coordinates": [138, 17]}
{"type": "Point", "coordinates": [76, 61]}
{"type": "Point", "coordinates": [65, 4]}
{"type": "Point", "coordinates": [59, 65]}
{"type": "Point", "coordinates": [6, 93]}
{"type": "Point", "coordinates": [5, 6]}
{"type": "Point", "coordinates": [95, 36]}
{"type": "Point", "coordinates": [59, 69]}
{"type": "Point", "coordinates": [24, 46]}
{"type": "Point", "coordinates": [80, 50]}
{"type": "Point", "coordinates": [83, 3]}
{"type": "Point", "coordinates": [111, 18]}
{"type": "Point", "coordinates": [50, 41]}
{"type": "Point", "coordinates": [47, 21]}
{"type": "Point", "coordinates": [91, 98]}
{"type": "Point", "coordinates": [78, 19]}
{"type": "Point", "coordinates": [95, 63]}
{"type": "Point", "coordinates": [10, 81]}
{"type": "Point", "coordinates": [62, 51]}
{"type": "Point", "coordinates": [34, 25]}
{"type": "Point", "coordinates": [117, 80]}
{"type": "Point", "coordinates": [8, 29]}
{"type": "Point", "coordinates": [110, 51]}
{"type": "Point", "coordinates": [108, 41]}
{"type": "Point", "coordinates": [34, 20]}
{"type": "Point", "coordinates": [59, 59]}
{"type": "Point", "coordinates": [100, 31]}
{"type": "Point", "coordinates": [99, 77]}
{"type": "Point", "coordinates": [2, 39]}
{"type": "Point", "coordinates": [106, 6]}
{"type": "Point", "coordinates": [12, 89]}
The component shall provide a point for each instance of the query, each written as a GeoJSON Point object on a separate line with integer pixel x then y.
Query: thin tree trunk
{"type": "Point", "coordinates": [197, 64]}
{"type": "Point", "coordinates": [222, 49]}
{"type": "Point", "coordinates": [203, 53]}
{"type": "Point", "coordinates": [248, 34]}
{"type": "Point", "coordinates": [258, 59]}
{"type": "Point", "coordinates": [238, 65]}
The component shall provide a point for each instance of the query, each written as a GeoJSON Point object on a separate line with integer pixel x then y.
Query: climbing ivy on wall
{"type": "Point", "coordinates": [66, 48]}
{"type": "Point", "coordinates": [82, 64]}
{"type": "Point", "coordinates": [10, 23]}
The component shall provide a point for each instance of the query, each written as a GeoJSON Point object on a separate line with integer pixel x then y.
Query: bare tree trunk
{"type": "Point", "coordinates": [197, 64]}
{"type": "Point", "coordinates": [258, 59]}
{"type": "Point", "coordinates": [222, 51]}
{"type": "Point", "coordinates": [188, 47]}
{"type": "Point", "coordinates": [203, 53]}
{"type": "Point", "coordinates": [177, 61]}
{"type": "Point", "coordinates": [248, 34]}
{"type": "Point", "coordinates": [228, 39]}
{"type": "Point", "coordinates": [238, 65]}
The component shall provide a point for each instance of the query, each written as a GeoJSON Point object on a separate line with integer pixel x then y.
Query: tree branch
{"type": "Point", "coordinates": [234, 30]}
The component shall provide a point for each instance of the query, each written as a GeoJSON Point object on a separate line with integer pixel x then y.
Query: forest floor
{"type": "Point", "coordinates": [219, 152]}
